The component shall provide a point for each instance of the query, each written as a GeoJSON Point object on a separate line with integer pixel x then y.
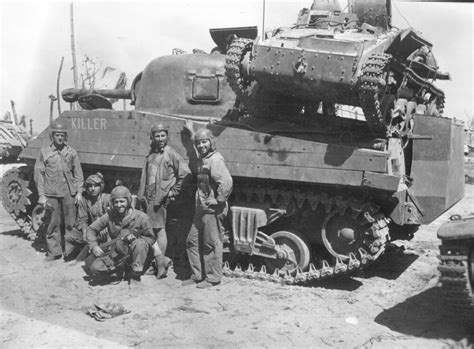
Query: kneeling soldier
{"type": "Point", "coordinates": [130, 235]}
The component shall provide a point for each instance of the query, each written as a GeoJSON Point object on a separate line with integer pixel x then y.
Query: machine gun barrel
{"type": "Point", "coordinates": [72, 95]}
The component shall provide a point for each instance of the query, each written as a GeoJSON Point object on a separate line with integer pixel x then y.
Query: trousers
{"type": "Point", "coordinates": [64, 211]}
{"type": "Point", "coordinates": [139, 253]}
{"type": "Point", "coordinates": [205, 240]}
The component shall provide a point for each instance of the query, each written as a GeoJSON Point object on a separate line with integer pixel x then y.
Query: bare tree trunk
{"type": "Point", "coordinates": [57, 85]}
{"type": "Point", "coordinates": [73, 52]}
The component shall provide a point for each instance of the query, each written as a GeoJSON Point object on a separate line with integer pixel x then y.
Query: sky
{"type": "Point", "coordinates": [128, 35]}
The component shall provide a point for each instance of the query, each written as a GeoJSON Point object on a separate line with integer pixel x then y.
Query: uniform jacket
{"type": "Point", "coordinates": [174, 176]}
{"type": "Point", "coordinates": [88, 212]}
{"type": "Point", "coordinates": [213, 181]}
{"type": "Point", "coordinates": [133, 220]}
{"type": "Point", "coordinates": [57, 172]}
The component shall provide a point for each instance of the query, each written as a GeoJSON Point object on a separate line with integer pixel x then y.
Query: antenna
{"type": "Point", "coordinates": [263, 21]}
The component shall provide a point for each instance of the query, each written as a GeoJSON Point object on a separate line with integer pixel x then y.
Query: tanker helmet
{"type": "Point", "coordinates": [205, 134]}
{"type": "Point", "coordinates": [57, 126]}
{"type": "Point", "coordinates": [156, 128]}
{"type": "Point", "coordinates": [97, 178]}
{"type": "Point", "coordinates": [121, 192]}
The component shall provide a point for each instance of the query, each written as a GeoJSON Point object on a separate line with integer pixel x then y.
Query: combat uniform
{"type": "Point", "coordinates": [134, 221]}
{"type": "Point", "coordinates": [87, 213]}
{"type": "Point", "coordinates": [213, 182]}
{"type": "Point", "coordinates": [162, 178]}
{"type": "Point", "coordinates": [58, 176]}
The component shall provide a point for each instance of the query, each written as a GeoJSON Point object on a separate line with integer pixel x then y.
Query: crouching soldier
{"type": "Point", "coordinates": [94, 204]}
{"type": "Point", "coordinates": [130, 235]}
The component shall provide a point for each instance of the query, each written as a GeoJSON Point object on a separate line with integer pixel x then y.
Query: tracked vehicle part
{"type": "Point", "coordinates": [313, 192]}
{"type": "Point", "coordinates": [457, 266]}
{"type": "Point", "coordinates": [335, 56]}
{"type": "Point", "coordinates": [16, 198]}
{"type": "Point", "coordinates": [373, 88]}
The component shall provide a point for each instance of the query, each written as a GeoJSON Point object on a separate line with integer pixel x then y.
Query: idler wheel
{"type": "Point", "coordinates": [344, 233]}
{"type": "Point", "coordinates": [294, 252]}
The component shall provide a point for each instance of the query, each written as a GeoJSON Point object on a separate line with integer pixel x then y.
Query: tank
{"type": "Point", "coordinates": [339, 55]}
{"type": "Point", "coordinates": [457, 266]}
{"type": "Point", "coordinates": [314, 197]}
{"type": "Point", "coordinates": [12, 141]}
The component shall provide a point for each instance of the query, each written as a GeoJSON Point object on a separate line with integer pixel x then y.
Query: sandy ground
{"type": "Point", "coordinates": [397, 303]}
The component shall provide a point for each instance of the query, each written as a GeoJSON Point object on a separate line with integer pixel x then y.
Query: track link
{"type": "Point", "coordinates": [358, 260]}
{"type": "Point", "coordinates": [456, 285]}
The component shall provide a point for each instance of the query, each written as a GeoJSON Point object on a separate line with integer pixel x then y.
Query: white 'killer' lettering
{"type": "Point", "coordinates": [98, 124]}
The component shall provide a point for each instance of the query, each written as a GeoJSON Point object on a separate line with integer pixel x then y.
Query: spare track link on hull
{"type": "Point", "coordinates": [15, 197]}
{"type": "Point", "coordinates": [456, 284]}
{"type": "Point", "coordinates": [371, 85]}
{"type": "Point", "coordinates": [356, 261]}
{"type": "Point", "coordinates": [237, 82]}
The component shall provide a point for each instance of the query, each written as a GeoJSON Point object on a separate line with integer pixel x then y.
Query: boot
{"type": "Point", "coordinates": [162, 265]}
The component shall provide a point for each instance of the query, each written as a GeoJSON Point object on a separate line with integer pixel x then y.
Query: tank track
{"type": "Point", "coordinates": [456, 285]}
{"type": "Point", "coordinates": [371, 85]}
{"type": "Point", "coordinates": [237, 82]}
{"type": "Point", "coordinates": [15, 198]}
{"type": "Point", "coordinates": [356, 261]}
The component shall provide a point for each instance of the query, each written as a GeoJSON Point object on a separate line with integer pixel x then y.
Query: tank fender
{"type": "Point", "coordinates": [406, 42]}
{"type": "Point", "coordinates": [457, 229]}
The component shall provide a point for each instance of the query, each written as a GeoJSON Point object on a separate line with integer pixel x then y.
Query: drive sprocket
{"type": "Point", "coordinates": [15, 191]}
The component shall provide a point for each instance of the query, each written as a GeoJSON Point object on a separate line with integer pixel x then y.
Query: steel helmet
{"type": "Point", "coordinates": [156, 128]}
{"type": "Point", "coordinates": [58, 126]}
{"type": "Point", "coordinates": [205, 134]}
{"type": "Point", "coordinates": [121, 192]}
{"type": "Point", "coordinates": [97, 178]}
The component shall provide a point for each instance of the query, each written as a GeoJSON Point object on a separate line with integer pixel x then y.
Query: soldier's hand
{"type": "Point", "coordinates": [130, 237]}
{"type": "Point", "coordinates": [42, 200]}
{"type": "Point", "coordinates": [78, 197]}
{"type": "Point", "coordinates": [211, 202]}
{"type": "Point", "coordinates": [188, 124]}
{"type": "Point", "coordinates": [97, 251]}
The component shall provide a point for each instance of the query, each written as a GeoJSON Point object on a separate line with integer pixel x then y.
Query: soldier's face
{"type": "Point", "coordinates": [160, 138]}
{"type": "Point", "coordinates": [93, 189]}
{"type": "Point", "coordinates": [120, 205]}
{"type": "Point", "coordinates": [203, 146]}
{"type": "Point", "coordinates": [59, 138]}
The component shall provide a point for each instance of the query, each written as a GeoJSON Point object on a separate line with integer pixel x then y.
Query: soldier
{"type": "Point", "coordinates": [165, 176]}
{"type": "Point", "coordinates": [59, 178]}
{"type": "Point", "coordinates": [92, 206]}
{"type": "Point", "coordinates": [130, 235]}
{"type": "Point", "coordinates": [214, 185]}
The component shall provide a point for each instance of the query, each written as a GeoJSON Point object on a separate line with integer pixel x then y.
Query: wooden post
{"type": "Point", "coordinates": [31, 127]}
{"type": "Point", "coordinates": [73, 52]}
{"type": "Point", "coordinates": [51, 106]}
{"type": "Point", "coordinates": [57, 85]}
{"type": "Point", "coordinates": [15, 116]}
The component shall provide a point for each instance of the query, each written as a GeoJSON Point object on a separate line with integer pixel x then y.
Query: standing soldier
{"type": "Point", "coordinates": [92, 206]}
{"type": "Point", "coordinates": [129, 234]}
{"type": "Point", "coordinates": [214, 185]}
{"type": "Point", "coordinates": [59, 178]}
{"type": "Point", "coordinates": [165, 176]}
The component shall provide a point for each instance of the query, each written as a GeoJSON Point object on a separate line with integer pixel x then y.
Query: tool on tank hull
{"type": "Point", "coordinates": [313, 198]}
